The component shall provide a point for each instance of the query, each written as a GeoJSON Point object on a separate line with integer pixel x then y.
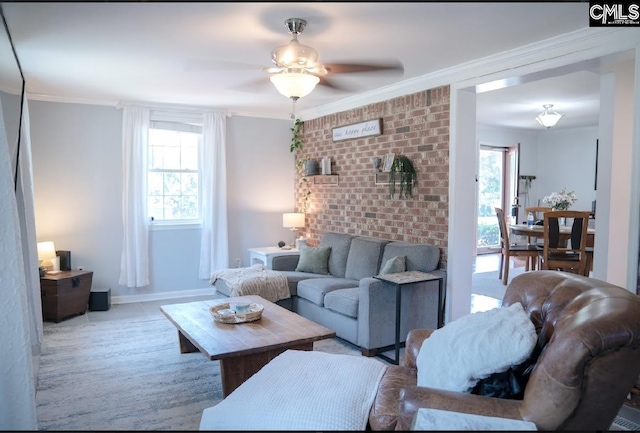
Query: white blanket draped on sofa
{"type": "Point", "coordinates": [301, 390]}
{"type": "Point", "coordinates": [254, 280]}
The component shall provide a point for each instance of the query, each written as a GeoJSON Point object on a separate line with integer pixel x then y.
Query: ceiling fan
{"type": "Point", "coordinates": [297, 70]}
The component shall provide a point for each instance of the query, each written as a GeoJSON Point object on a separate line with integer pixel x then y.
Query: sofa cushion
{"type": "Point", "coordinates": [293, 278]}
{"type": "Point", "coordinates": [314, 260]}
{"type": "Point", "coordinates": [339, 243]}
{"type": "Point", "coordinates": [314, 289]}
{"type": "Point", "coordinates": [456, 356]}
{"type": "Point", "coordinates": [343, 301]}
{"type": "Point", "coordinates": [419, 257]}
{"type": "Point", "coordinates": [394, 265]}
{"type": "Point", "coordinates": [364, 257]}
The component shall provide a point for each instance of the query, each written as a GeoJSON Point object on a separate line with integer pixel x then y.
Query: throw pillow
{"type": "Point", "coordinates": [314, 260]}
{"type": "Point", "coordinates": [456, 356]}
{"type": "Point", "coordinates": [394, 265]}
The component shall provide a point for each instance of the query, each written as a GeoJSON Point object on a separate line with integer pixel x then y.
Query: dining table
{"type": "Point", "coordinates": [537, 231]}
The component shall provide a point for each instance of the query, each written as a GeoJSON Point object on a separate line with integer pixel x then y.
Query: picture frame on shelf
{"type": "Point", "coordinates": [388, 162]}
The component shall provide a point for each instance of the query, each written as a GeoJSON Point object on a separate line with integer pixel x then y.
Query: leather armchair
{"type": "Point", "coordinates": [588, 359]}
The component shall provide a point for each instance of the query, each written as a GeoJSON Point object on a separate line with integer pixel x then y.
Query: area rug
{"type": "Point", "coordinates": [488, 283]}
{"type": "Point", "coordinates": [128, 375]}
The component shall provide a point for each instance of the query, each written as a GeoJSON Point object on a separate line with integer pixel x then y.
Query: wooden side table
{"type": "Point", "coordinates": [65, 294]}
{"type": "Point", "coordinates": [413, 279]}
{"type": "Point", "coordinates": [265, 255]}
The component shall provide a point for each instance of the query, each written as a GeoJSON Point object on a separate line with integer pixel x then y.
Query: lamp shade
{"type": "Point", "coordinates": [294, 85]}
{"type": "Point", "coordinates": [548, 118]}
{"type": "Point", "coordinates": [293, 220]}
{"type": "Point", "coordinates": [48, 257]}
{"type": "Point", "coordinates": [46, 251]}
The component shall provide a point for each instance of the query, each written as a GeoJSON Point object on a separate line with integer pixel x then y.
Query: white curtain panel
{"type": "Point", "coordinates": [17, 379]}
{"type": "Point", "coordinates": [214, 245]}
{"type": "Point", "coordinates": [134, 264]}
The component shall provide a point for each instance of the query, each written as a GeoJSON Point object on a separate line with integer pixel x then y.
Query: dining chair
{"type": "Point", "coordinates": [538, 211]}
{"type": "Point", "coordinates": [569, 257]}
{"type": "Point", "coordinates": [508, 250]}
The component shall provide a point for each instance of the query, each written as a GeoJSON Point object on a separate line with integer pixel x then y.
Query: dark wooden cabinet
{"type": "Point", "coordinates": [65, 294]}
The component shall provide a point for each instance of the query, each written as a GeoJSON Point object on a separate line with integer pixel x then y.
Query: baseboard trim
{"type": "Point", "coordinates": [128, 299]}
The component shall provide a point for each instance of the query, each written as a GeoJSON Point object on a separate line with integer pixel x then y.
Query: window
{"type": "Point", "coordinates": [173, 174]}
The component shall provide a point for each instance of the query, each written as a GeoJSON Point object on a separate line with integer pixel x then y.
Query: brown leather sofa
{"type": "Point", "coordinates": [588, 358]}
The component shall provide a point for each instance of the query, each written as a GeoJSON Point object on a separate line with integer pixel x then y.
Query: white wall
{"type": "Point", "coordinates": [567, 159]}
{"type": "Point", "coordinates": [78, 183]}
{"type": "Point", "coordinates": [260, 176]}
{"type": "Point", "coordinates": [622, 264]}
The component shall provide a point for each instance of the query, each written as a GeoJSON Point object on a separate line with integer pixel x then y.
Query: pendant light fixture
{"type": "Point", "coordinates": [294, 83]}
{"type": "Point", "coordinates": [548, 118]}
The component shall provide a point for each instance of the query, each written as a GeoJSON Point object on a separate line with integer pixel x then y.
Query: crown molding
{"type": "Point", "coordinates": [562, 50]}
{"type": "Point", "coordinates": [266, 114]}
{"type": "Point", "coordinates": [70, 100]}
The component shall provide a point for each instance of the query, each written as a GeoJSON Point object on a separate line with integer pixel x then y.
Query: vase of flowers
{"type": "Point", "coordinates": [562, 200]}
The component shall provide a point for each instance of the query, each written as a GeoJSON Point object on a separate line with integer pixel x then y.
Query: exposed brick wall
{"type": "Point", "coordinates": [416, 126]}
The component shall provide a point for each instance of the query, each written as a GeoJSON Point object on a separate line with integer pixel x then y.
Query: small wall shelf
{"type": "Point", "coordinates": [325, 179]}
{"type": "Point", "coordinates": [382, 178]}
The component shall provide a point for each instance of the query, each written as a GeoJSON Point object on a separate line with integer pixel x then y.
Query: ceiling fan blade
{"type": "Point", "coordinates": [211, 65]}
{"type": "Point", "coordinates": [272, 70]}
{"type": "Point", "coordinates": [332, 85]}
{"type": "Point", "coordinates": [352, 68]}
{"type": "Point", "coordinates": [254, 86]}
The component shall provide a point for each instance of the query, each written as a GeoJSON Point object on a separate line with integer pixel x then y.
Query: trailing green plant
{"type": "Point", "coordinates": [306, 194]}
{"type": "Point", "coordinates": [296, 140]}
{"type": "Point", "coordinates": [296, 146]}
{"type": "Point", "coordinates": [402, 168]}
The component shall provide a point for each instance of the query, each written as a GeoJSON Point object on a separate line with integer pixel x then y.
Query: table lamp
{"type": "Point", "coordinates": [293, 221]}
{"type": "Point", "coordinates": [48, 258]}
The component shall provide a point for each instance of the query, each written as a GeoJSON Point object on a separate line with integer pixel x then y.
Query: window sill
{"type": "Point", "coordinates": [157, 226]}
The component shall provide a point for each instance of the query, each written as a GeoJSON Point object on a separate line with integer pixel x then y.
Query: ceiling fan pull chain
{"type": "Point", "coordinates": [293, 109]}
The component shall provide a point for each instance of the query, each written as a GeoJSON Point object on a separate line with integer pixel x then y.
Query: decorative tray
{"type": "Point", "coordinates": [226, 313]}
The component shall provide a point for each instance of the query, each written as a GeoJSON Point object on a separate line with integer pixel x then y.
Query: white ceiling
{"type": "Point", "coordinates": [212, 54]}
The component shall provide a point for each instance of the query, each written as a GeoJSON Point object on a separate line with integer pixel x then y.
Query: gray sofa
{"type": "Point", "coordinates": [360, 308]}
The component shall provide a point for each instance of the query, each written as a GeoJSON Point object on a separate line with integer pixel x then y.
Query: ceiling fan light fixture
{"type": "Point", "coordinates": [294, 55]}
{"type": "Point", "coordinates": [548, 118]}
{"type": "Point", "coordinates": [294, 85]}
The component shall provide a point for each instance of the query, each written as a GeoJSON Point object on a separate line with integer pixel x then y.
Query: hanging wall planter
{"type": "Point", "coordinates": [403, 173]}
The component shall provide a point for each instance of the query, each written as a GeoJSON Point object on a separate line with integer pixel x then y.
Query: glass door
{"type": "Point", "coordinates": [497, 185]}
{"type": "Point", "coordinates": [490, 195]}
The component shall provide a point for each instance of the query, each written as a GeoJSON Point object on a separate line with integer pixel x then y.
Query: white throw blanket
{"type": "Point", "coordinates": [254, 280]}
{"type": "Point", "coordinates": [301, 390]}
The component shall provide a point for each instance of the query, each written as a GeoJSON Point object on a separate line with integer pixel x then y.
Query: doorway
{"type": "Point", "coordinates": [497, 184]}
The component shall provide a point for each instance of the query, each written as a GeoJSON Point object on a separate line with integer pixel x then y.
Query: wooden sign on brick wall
{"type": "Point", "coordinates": [357, 130]}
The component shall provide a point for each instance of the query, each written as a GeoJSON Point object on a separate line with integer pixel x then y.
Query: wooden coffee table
{"type": "Point", "coordinates": [243, 348]}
